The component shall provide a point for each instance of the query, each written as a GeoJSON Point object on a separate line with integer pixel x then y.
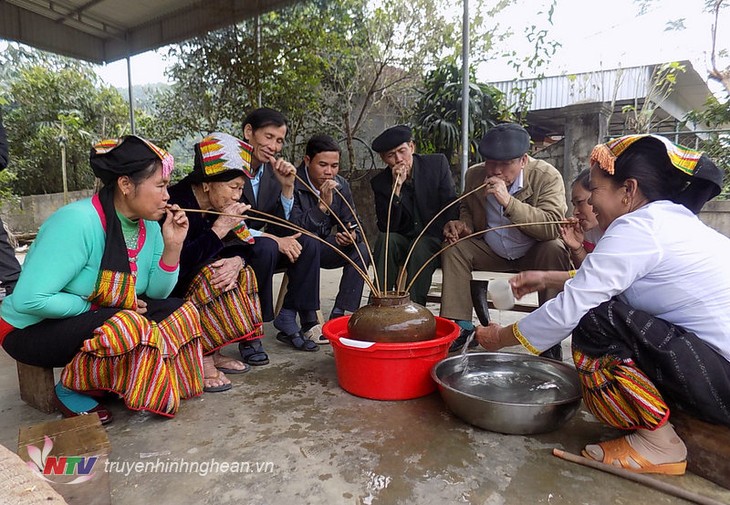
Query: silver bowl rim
{"type": "Point", "coordinates": [560, 364]}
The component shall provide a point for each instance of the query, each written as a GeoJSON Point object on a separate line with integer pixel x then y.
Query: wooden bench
{"type": "Point", "coordinates": [36, 386]}
{"type": "Point", "coordinates": [708, 447]}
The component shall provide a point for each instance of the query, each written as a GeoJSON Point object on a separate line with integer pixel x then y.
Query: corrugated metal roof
{"type": "Point", "coordinates": [605, 86]}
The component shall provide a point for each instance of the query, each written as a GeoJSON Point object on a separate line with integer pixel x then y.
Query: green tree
{"type": "Point", "coordinates": [331, 66]}
{"type": "Point", "coordinates": [716, 115]}
{"type": "Point", "coordinates": [50, 101]}
{"type": "Point", "coordinates": [437, 116]}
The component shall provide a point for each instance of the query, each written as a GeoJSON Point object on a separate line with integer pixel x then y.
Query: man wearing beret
{"type": "Point", "coordinates": [520, 190]}
{"type": "Point", "coordinates": [421, 185]}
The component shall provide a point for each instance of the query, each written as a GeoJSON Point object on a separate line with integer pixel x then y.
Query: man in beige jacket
{"type": "Point", "coordinates": [520, 190]}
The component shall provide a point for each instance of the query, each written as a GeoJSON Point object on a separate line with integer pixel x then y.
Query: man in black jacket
{"type": "Point", "coordinates": [270, 189]}
{"type": "Point", "coordinates": [9, 266]}
{"type": "Point", "coordinates": [421, 186]}
{"type": "Point", "coordinates": [319, 208]}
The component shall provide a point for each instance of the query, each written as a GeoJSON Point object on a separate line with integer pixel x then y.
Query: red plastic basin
{"type": "Point", "coordinates": [384, 371]}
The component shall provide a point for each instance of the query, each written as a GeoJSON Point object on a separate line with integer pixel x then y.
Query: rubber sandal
{"type": "Point", "coordinates": [234, 371]}
{"type": "Point", "coordinates": [320, 340]}
{"type": "Point", "coordinates": [216, 389]}
{"type": "Point", "coordinates": [298, 341]}
{"type": "Point", "coordinates": [315, 335]}
{"type": "Point", "coordinates": [252, 353]}
{"type": "Point", "coordinates": [620, 450]}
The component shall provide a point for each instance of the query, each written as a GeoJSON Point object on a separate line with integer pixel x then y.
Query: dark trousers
{"type": "Point", "coordinates": [689, 374]}
{"type": "Point", "coordinates": [9, 266]}
{"type": "Point", "coordinates": [398, 247]}
{"type": "Point", "coordinates": [54, 342]}
{"type": "Point", "coordinates": [303, 291]}
{"type": "Point", "coordinates": [351, 282]}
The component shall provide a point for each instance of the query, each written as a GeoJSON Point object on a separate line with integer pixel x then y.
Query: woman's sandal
{"type": "Point", "coordinates": [620, 450]}
{"type": "Point", "coordinates": [297, 341]}
{"type": "Point", "coordinates": [219, 388]}
{"type": "Point", "coordinates": [252, 353]}
{"type": "Point", "coordinates": [221, 363]}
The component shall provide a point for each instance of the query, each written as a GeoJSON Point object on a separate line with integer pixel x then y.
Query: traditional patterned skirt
{"type": "Point", "coordinates": [226, 316]}
{"type": "Point", "coordinates": [151, 365]}
{"type": "Point", "coordinates": [634, 366]}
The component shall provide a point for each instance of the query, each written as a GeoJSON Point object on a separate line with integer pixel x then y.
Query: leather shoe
{"type": "Point", "coordinates": [458, 344]}
{"type": "Point", "coordinates": [105, 416]}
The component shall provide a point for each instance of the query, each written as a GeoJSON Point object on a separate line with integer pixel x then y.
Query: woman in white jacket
{"type": "Point", "coordinates": [648, 308]}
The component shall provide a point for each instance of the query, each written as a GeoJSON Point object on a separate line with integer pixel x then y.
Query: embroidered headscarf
{"type": "Point", "coordinates": [221, 157]}
{"type": "Point", "coordinates": [111, 159]}
{"type": "Point", "coordinates": [704, 177]}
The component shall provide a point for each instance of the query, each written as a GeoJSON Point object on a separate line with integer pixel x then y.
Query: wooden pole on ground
{"type": "Point", "coordinates": [637, 477]}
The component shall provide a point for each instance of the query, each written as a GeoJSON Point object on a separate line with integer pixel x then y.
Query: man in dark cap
{"type": "Point", "coordinates": [421, 185]}
{"type": "Point", "coordinates": [520, 190]}
{"type": "Point", "coordinates": [9, 265]}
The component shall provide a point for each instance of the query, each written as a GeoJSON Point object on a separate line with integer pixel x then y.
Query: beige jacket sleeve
{"type": "Point", "coordinates": [542, 198]}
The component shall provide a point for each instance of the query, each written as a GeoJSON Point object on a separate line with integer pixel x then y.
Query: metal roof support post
{"type": "Point", "coordinates": [131, 96]}
{"type": "Point", "coordinates": [465, 94]}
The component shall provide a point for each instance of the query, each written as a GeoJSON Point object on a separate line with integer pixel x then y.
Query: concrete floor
{"type": "Point", "coordinates": [305, 440]}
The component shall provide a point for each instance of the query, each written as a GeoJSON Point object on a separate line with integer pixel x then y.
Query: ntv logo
{"type": "Point", "coordinates": [44, 465]}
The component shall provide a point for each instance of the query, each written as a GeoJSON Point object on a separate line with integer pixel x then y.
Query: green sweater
{"type": "Point", "coordinates": [62, 265]}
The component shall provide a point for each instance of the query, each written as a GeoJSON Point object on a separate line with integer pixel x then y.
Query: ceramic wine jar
{"type": "Point", "coordinates": [392, 318]}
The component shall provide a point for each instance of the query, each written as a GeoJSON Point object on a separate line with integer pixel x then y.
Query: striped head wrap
{"type": "Point", "coordinates": [683, 158]}
{"type": "Point", "coordinates": [705, 178]}
{"type": "Point", "coordinates": [221, 157]}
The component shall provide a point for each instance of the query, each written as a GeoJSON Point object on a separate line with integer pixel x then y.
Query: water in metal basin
{"type": "Point", "coordinates": [509, 386]}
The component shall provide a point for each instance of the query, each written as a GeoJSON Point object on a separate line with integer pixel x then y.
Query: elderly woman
{"type": "Point", "coordinates": [212, 274]}
{"type": "Point", "coordinates": [92, 296]}
{"type": "Point", "coordinates": [648, 307]}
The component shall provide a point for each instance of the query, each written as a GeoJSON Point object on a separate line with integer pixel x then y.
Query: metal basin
{"type": "Point", "coordinates": [511, 393]}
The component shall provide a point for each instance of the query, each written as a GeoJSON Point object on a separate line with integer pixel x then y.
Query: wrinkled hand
{"type": "Point", "coordinates": [289, 246]}
{"type": "Point", "coordinates": [175, 227]}
{"type": "Point", "coordinates": [572, 234]}
{"type": "Point", "coordinates": [453, 230]}
{"type": "Point", "coordinates": [498, 188]}
{"type": "Point", "coordinates": [488, 336]}
{"type": "Point", "coordinates": [224, 224]}
{"type": "Point", "coordinates": [527, 282]}
{"type": "Point", "coordinates": [345, 238]}
{"type": "Point", "coordinates": [225, 273]}
{"type": "Point", "coordinates": [141, 306]}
